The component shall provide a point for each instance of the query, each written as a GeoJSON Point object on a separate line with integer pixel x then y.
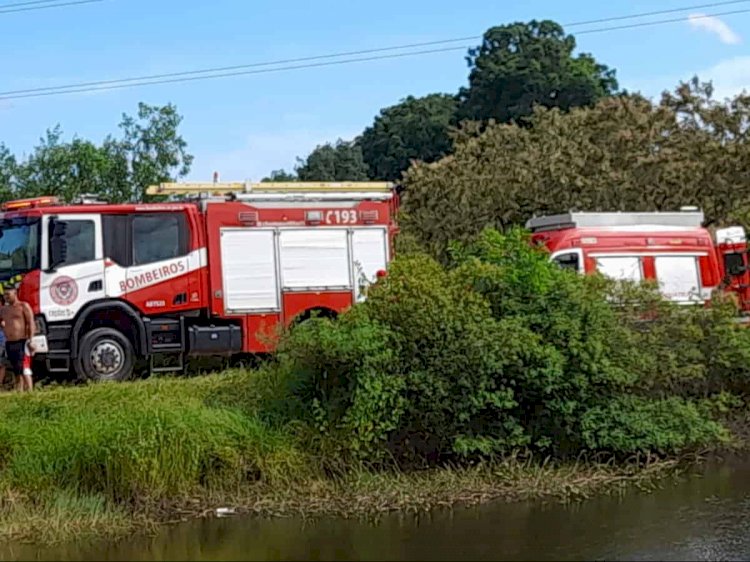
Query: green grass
{"type": "Point", "coordinates": [107, 459]}
{"type": "Point", "coordinates": [136, 445]}
{"type": "Point", "coordinates": [63, 514]}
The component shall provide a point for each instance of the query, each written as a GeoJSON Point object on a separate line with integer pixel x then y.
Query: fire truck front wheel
{"type": "Point", "coordinates": [105, 355]}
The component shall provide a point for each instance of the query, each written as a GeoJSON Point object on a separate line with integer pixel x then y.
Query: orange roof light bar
{"type": "Point", "coordinates": [29, 203]}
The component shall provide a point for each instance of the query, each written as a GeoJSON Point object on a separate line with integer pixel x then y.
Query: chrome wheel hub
{"type": "Point", "coordinates": [107, 357]}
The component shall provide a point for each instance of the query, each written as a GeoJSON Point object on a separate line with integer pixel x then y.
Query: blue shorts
{"type": "Point", "coordinates": [14, 353]}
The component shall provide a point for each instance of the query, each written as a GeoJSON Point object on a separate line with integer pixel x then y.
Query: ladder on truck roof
{"type": "Point", "coordinates": [305, 191]}
{"type": "Point", "coordinates": [681, 219]}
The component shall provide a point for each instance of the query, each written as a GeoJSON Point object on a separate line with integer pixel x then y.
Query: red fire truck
{"type": "Point", "coordinates": [673, 249]}
{"type": "Point", "coordinates": [215, 274]}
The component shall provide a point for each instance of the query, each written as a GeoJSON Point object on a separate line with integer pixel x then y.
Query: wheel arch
{"type": "Point", "coordinates": [319, 311]}
{"type": "Point", "coordinates": [102, 311]}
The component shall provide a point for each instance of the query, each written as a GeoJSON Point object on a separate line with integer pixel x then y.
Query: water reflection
{"type": "Point", "coordinates": [703, 518]}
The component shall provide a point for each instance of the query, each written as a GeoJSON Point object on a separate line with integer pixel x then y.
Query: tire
{"type": "Point", "coordinates": [104, 355]}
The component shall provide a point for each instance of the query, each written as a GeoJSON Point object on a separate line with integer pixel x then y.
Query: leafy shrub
{"type": "Point", "coordinates": [460, 363]}
{"type": "Point", "coordinates": [340, 377]}
{"type": "Point", "coordinates": [684, 351]}
{"type": "Point", "coordinates": [630, 424]}
{"type": "Point", "coordinates": [503, 349]}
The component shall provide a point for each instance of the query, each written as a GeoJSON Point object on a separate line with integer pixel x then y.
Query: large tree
{"type": "Point", "coordinates": [153, 148]}
{"type": "Point", "coordinates": [333, 162]}
{"type": "Point", "coordinates": [520, 65]}
{"type": "Point", "coordinates": [624, 154]}
{"type": "Point", "coordinates": [69, 169]}
{"type": "Point", "coordinates": [414, 129]}
{"type": "Point", "coordinates": [149, 150]}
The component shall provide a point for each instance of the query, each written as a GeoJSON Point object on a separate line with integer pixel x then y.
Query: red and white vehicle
{"type": "Point", "coordinates": [219, 274]}
{"type": "Point", "coordinates": [673, 249]}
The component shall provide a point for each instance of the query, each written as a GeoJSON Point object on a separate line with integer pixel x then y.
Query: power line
{"type": "Point", "coordinates": [33, 2]}
{"type": "Point", "coordinates": [246, 66]}
{"type": "Point", "coordinates": [41, 5]}
{"type": "Point", "coordinates": [656, 13]}
{"type": "Point", "coordinates": [240, 70]}
{"type": "Point", "coordinates": [662, 22]}
{"type": "Point", "coordinates": [347, 54]}
{"type": "Point", "coordinates": [227, 74]}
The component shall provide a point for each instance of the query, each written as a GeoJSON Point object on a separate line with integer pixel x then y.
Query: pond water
{"type": "Point", "coordinates": [701, 518]}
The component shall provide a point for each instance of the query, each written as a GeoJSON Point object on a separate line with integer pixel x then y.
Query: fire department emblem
{"type": "Point", "coordinates": [63, 291]}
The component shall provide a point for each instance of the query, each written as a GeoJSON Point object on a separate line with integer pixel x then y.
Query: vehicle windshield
{"type": "Point", "coordinates": [19, 246]}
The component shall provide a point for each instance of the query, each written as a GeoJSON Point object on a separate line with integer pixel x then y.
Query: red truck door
{"type": "Point", "coordinates": [733, 262]}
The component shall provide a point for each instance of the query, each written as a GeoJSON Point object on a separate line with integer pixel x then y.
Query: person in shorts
{"type": "Point", "coordinates": [18, 325]}
{"type": "Point", "coordinates": [3, 355]}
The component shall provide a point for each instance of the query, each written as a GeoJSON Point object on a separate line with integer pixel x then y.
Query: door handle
{"type": "Point", "coordinates": [95, 286]}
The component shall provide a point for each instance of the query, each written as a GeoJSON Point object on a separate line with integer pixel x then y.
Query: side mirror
{"type": "Point", "coordinates": [734, 264]}
{"type": "Point", "coordinates": [58, 246]}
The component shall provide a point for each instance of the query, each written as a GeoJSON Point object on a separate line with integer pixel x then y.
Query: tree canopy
{"type": "Point", "coordinates": [516, 68]}
{"type": "Point", "coordinates": [149, 150]}
{"type": "Point", "coordinates": [414, 129]}
{"type": "Point", "coordinates": [623, 154]}
{"type": "Point", "coordinates": [521, 65]}
{"type": "Point", "coordinates": [333, 162]}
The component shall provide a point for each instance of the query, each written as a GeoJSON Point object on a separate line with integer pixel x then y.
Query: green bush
{"type": "Point", "coordinates": [687, 351]}
{"type": "Point", "coordinates": [630, 424]}
{"type": "Point", "coordinates": [503, 349]}
{"type": "Point", "coordinates": [340, 378]}
{"type": "Point", "coordinates": [459, 362]}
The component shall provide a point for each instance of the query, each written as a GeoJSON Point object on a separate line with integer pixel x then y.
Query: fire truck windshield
{"type": "Point", "coordinates": [19, 246]}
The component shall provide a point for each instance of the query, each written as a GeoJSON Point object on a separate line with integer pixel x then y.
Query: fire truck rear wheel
{"type": "Point", "coordinates": [105, 355]}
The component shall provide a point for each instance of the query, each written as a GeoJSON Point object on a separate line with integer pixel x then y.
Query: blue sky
{"type": "Point", "coordinates": [246, 126]}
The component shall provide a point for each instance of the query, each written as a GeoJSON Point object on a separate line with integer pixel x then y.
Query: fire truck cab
{"type": "Point", "coordinates": [217, 274]}
{"type": "Point", "coordinates": [673, 249]}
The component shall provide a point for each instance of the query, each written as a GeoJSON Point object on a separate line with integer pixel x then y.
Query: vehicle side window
{"type": "Point", "coordinates": [158, 237]}
{"type": "Point", "coordinates": [80, 236]}
{"type": "Point", "coordinates": [734, 263]}
{"type": "Point", "coordinates": [116, 234]}
{"type": "Point", "coordinates": [569, 261]}
{"type": "Point", "coordinates": [625, 268]}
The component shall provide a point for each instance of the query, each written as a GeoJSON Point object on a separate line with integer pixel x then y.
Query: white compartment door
{"type": "Point", "coordinates": [248, 261]}
{"type": "Point", "coordinates": [315, 259]}
{"type": "Point", "coordinates": [370, 255]}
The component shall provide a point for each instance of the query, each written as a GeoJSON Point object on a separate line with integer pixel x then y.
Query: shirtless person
{"type": "Point", "coordinates": [3, 356]}
{"type": "Point", "coordinates": [18, 325]}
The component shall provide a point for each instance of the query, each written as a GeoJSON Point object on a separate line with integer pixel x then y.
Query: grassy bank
{"type": "Point", "coordinates": [107, 460]}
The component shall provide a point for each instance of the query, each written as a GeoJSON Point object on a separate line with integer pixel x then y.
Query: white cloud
{"type": "Point", "coordinates": [729, 78]}
{"type": "Point", "coordinates": [714, 25]}
{"type": "Point", "coordinates": [263, 153]}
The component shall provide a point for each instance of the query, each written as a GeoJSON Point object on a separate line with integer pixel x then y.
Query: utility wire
{"type": "Point", "coordinates": [656, 13]}
{"type": "Point", "coordinates": [662, 22]}
{"type": "Point", "coordinates": [350, 53]}
{"type": "Point", "coordinates": [337, 55]}
{"type": "Point", "coordinates": [236, 73]}
{"type": "Point", "coordinates": [240, 70]}
{"type": "Point", "coordinates": [41, 5]}
{"type": "Point", "coordinates": [31, 3]}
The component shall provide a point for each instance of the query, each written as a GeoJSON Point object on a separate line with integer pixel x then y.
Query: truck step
{"type": "Point", "coordinates": [177, 367]}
